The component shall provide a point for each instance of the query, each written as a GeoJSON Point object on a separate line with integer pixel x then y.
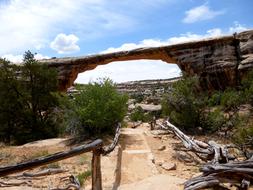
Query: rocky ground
{"type": "Point", "coordinates": [143, 159]}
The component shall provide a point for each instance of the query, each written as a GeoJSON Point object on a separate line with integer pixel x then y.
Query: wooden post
{"type": "Point", "coordinates": [153, 123]}
{"type": "Point", "coordinates": [96, 170]}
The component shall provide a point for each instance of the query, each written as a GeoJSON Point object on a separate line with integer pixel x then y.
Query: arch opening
{"type": "Point", "coordinates": [134, 70]}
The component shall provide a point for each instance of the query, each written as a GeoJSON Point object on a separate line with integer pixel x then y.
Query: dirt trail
{"type": "Point", "coordinates": [138, 170]}
{"type": "Point", "coordinates": [136, 157]}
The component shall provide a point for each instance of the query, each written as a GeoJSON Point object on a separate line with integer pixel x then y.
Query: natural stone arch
{"type": "Point", "coordinates": [219, 62]}
{"type": "Point", "coordinates": [69, 68]}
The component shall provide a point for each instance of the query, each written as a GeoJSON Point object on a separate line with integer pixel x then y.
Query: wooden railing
{"type": "Point", "coordinates": [96, 147]}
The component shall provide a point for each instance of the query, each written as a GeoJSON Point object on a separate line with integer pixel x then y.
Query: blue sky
{"type": "Point", "coordinates": [54, 28]}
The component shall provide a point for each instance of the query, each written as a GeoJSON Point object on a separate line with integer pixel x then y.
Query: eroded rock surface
{"type": "Point", "coordinates": [219, 62]}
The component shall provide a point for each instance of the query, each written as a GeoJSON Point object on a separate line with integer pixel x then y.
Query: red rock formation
{"type": "Point", "coordinates": [219, 62]}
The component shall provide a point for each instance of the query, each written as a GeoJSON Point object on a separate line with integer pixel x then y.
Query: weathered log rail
{"type": "Point", "coordinates": [96, 147]}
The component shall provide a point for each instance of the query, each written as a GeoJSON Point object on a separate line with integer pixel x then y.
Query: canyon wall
{"type": "Point", "coordinates": [219, 62]}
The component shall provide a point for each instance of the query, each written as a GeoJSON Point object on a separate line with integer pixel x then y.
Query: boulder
{"type": "Point", "coordinates": [161, 148]}
{"type": "Point", "coordinates": [169, 166]}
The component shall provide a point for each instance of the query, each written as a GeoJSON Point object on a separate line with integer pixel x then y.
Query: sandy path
{"type": "Point", "coordinates": [137, 169]}
{"type": "Point", "coordinates": [136, 157]}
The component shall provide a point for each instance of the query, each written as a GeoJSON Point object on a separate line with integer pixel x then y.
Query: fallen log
{"type": "Point", "coordinates": [50, 171]}
{"type": "Point", "coordinates": [210, 151]}
{"type": "Point", "coordinates": [11, 184]}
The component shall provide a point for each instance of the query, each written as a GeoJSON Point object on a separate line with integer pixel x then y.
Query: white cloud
{"type": "Point", "coordinates": [65, 43]}
{"type": "Point", "coordinates": [29, 24]}
{"type": "Point", "coordinates": [200, 13]}
{"type": "Point", "coordinates": [173, 40]}
{"type": "Point", "coordinates": [237, 28]}
{"type": "Point", "coordinates": [19, 58]}
{"type": "Point", "coordinates": [39, 56]}
{"type": "Point", "coordinates": [187, 37]}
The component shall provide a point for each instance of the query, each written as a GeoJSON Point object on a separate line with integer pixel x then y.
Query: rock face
{"type": "Point", "coordinates": [219, 62]}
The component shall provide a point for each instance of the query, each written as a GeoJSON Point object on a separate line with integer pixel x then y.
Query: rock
{"type": "Point", "coordinates": [169, 166]}
{"type": "Point", "coordinates": [151, 158]}
{"type": "Point", "coordinates": [131, 107]}
{"type": "Point", "coordinates": [134, 124]}
{"type": "Point", "coordinates": [157, 136]}
{"type": "Point", "coordinates": [245, 110]}
{"type": "Point", "coordinates": [164, 138]}
{"type": "Point", "coordinates": [215, 60]}
{"type": "Point", "coordinates": [146, 125]}
{"type": "Point", "coordinates": [149, 107]}
{"type": "Point", "coordinates": [158, 162]}
{"type": "Point", "coordinates": [131, 101]}
{"type": "Point", "coordinates": [161, 148]}
{"type": "Point", "coordinates": [183, 157]}
{"type": "Point", "coordinates": [159, 132]}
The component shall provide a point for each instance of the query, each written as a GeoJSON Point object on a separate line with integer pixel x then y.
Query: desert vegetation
{"type": "Point", "coordinates": [33, 109]}
{"type": "Point", "coordinates": [96, 108]}
{"type": "Point", "coordinates": [28, 98]}
{"type": "Point", "coordinates": [219, 112]}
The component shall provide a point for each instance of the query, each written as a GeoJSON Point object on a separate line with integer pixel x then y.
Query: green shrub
{"type": "Point", "coordinates": [166, 109]}
{"type": "Point", "coordinates": [139, 97]}
{"type": "Point", "coordinates": [231, 99]}
{"type": "Point", "coordinates": [148, 117]}
{"type": "Point", "coordinates": [243, 134]}
{"type": "Point", "coordinates": [188, 107]}
{"type": "Point", "coordinates": [247, 80]}
{"type": "Point", "coordinates": [247, 86]}
{"type": "Point", "coordinates": [137, 114]}
{"type": "Point", "coordinates": [98, 108]}
{"type": "Point", "coordinates": [82, 177]}
{"type": "Point", "coordinates": [184, 104]}
{"type": "Point", "coordinates": [215, 99]}
{"type": "Point", "coordinates": [213, 120]}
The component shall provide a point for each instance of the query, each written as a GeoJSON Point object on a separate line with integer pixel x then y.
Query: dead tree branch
{"type": "Point", "coordinates": [74, 184]}
{"type": "Point", "coordinates": [239, 174]}
{"type": "Point", "coordinates": [210, 151]}
{"type": "Point", "coordinates": [11, 184]}
{"type": "Point", "coordinates": [110, 148]}
{"type": "Point", "coordinates": [50, 171]}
